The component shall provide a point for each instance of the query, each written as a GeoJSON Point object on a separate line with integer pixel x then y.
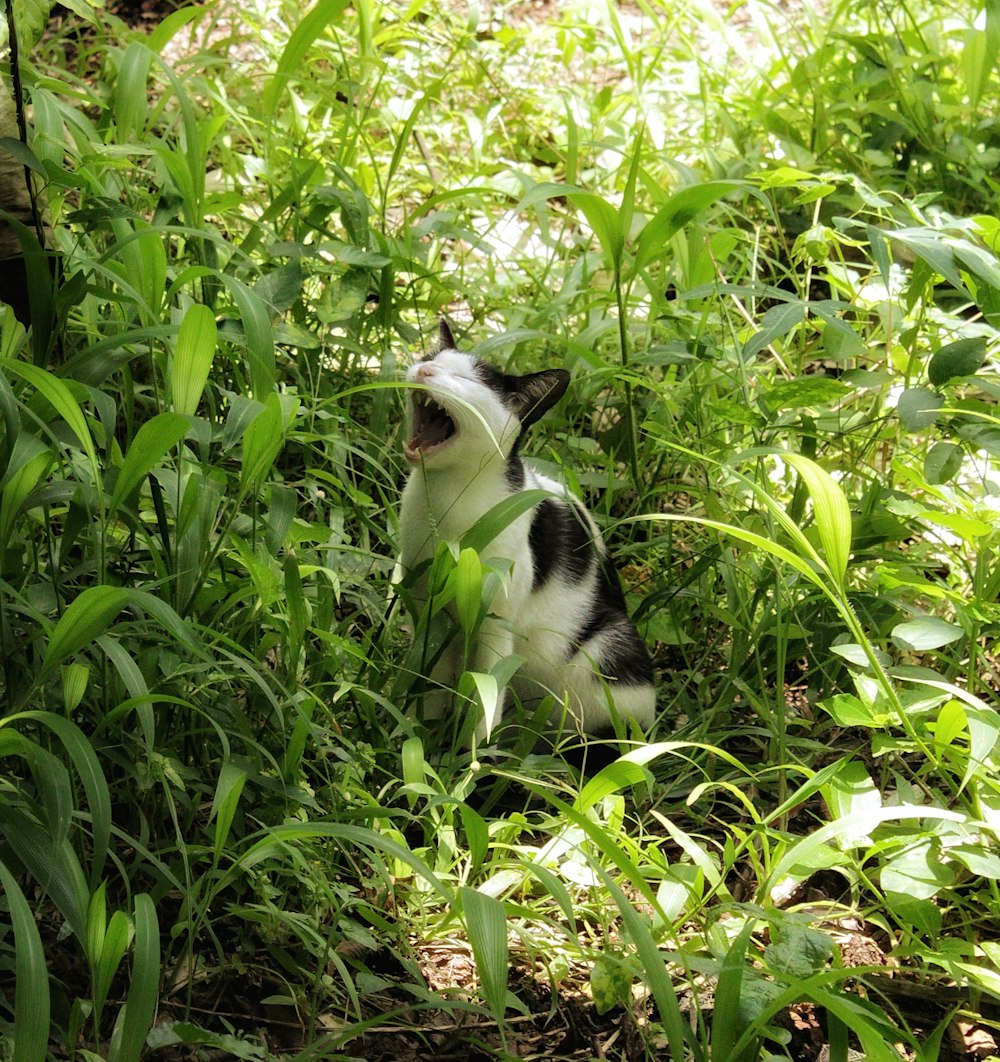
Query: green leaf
{"type": "Point", "coordinates": [130, 97]}
{"type": "Point", "coordinates": [851, 792]}
{"type": "Point", "coordinates": [917, 408]}
{"type": "Point", "coordinates": [978, 860]}
{"type": "Point", "coordinates": [727, 1017]}
{"type": "Point", "coordinates": [964, 357]}
{"type": "Point", "coordinates": [135, 1018]}
{"type": "Point", "coordinates": [469, 591]}
{"type": "Point", "coordinates": [605, 220]}
{"type": "Point", "coordinates": [488, 690]}
{"type": "Point", "coordinates": [275, 837]}
{"type": "Point", "coordinates": [610, 779]}
{"type": "Point", "coordinates": [59, 396]}
{"type": "Point", "coordinates": [224, 803]}
{"type": "Point", "coordinates": [657, 976]}
{"type": "Point", "coordinates": [24, 155]}
{"type": "Point", "coordinates": [88, 768]}
{"type": "Point", "coordinates": [259, 335]}
{"type": "Point", "coordinates": [88, 615]}
{"type": "Point", "coordinates": [107, 944]}
{"type": "Point", "coordinates": [610, 983]}
{"type": "Point", "coordinates": [805, 391]}
{"type": "Point", "coordinates": [477, 835]}
{"type": "Point", "coordinates": [154, 439]}
{"type": "Point", "coordinates": [930, 246]}
{"type": "Point", "coordinates": [866, 1020]}
{"type": "Point", "coordinates": [501, 516]}
{"type": "Point", "coordinates": [776, 323]}
{"type": "Point", "coordinates": [916, 870]}
{"type": "Point", "coordinates": [799, 951]}
{"type": "Point", "coordinates": [801, 851]}
{"type": "Point", "coordinates": [54, 866]}
{"type": "Point", "coordinates": [831, 514]}
{"type": "Point", "coordinates": [31, 977]}
{"type": "Point", "coordinates": [979, 53]}
{"type": "Point", "coordinates": [925, 632]}
{"type": "Point", "coordinates": [848, 710]}
{"type": "Point", "coordinates": [18, 488]}
{"type": "Point", "coordinates": [75, 678]}
{"type": "Point", "coordinates": [486, 924]}
{"type": "Point", "coordinates": [679, 210]}
{"type": "Point", "coordinates": [555, 888]}
{"type": "Point", "coordinates": [262, 441]}
{"type": "Point", "coordinates": [942, 463]}
{"type": "Point", "coordinates": [192, 360]}
{"type": "Point", "coordinates": [292, 65]}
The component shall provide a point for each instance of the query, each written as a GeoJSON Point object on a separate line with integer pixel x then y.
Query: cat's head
{"type": "Point", "coordinates": [466, 410]}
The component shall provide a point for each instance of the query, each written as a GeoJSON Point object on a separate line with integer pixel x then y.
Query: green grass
{"type": "Point", "coordinates": [765, 244]}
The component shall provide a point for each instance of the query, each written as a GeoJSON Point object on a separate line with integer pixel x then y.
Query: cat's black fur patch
{"type": "Point", "coordinates": [626, 660]}
{"type": "Point", "coordinates": [494, 379]}
{"type": "Point", "coordinates": [527, 397]}
{"type": "Point", "coordinates": [560, 541]}
{"type": "Point", "coordinates": [514, 473]}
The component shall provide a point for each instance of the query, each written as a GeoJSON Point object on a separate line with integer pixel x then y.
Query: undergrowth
{"type": "Point", "coordinates": [765, 242]}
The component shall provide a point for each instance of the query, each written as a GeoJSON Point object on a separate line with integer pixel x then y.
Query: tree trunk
{"type": "Point", "coordinates": [15, 202]}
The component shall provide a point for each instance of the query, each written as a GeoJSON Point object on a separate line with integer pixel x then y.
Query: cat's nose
{"type": "Point", "coordinates": [423, 371]}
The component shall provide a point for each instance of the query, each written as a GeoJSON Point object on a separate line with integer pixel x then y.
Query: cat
{"type": "Point", "coordinates": [560, 606]}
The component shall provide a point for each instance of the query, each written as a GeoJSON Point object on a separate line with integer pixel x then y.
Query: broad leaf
{"type": "Point", "coordinates": [486, 924]}
{"type": "Point", "coordinates": [925, 632]}
{"type": "Point", "coordinates": [918, 408]}
{"type": "Point", "coordinates": [942, 463]}
{"type": "Point", "coordinates": [961, 358]}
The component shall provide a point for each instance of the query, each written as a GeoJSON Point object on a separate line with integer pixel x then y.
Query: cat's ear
{"type": "Point", "coordinates": [445, 337]}
{"type": "Point", "coordinates": [537, 393]}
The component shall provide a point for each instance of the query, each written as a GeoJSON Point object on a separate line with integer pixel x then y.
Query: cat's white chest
{"type": "Point", "coordinates": [442, 508]}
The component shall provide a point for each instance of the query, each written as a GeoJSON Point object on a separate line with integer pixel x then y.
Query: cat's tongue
{"type": "Point", "coordinates": [429, 435]}
{"type": "Point", "coordinates": [431, 427]}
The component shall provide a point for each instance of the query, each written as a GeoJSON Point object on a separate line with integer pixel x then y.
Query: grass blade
{"type": "Point", "coordinates": [502, 515]}
{"type": "Point", "coordinates": [725, 1013]}
{"type": "Point", "coordinates": [831, 513]}
{"type": "Point", "coordinates": [59, 396]}
{"type": "Point", "coordinates": [224, 803]}
{"type": "Point", "coordinates": [656, 973]}
{"type": "Point", "coordinates": [486, 924]}
{"type": "Point", "coordinates": [87, 617]}
{"type": "Point", "coordinates": [89, 769]}
{"type": "Point", "coordinates": [19, 485]}
{"type": "Point", "coordinates": [136, 1017]}
{"type": "Point", "coordinates": [259, 336]}
{"type": "Point", "coordinates": [130, 102]}
{"type": "Point", "coordinates": [31, 977]}
{"type": "Point", "coordinates": [192, 360]}
{"type": "Point", "coordinates": [291, 64]}
{"type": "Point", "coordinates": [154, 439]}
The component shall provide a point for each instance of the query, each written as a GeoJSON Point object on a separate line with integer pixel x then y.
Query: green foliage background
{"type": "Point", "coordinates": [766, 244]}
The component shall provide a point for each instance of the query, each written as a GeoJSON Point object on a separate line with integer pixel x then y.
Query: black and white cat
{"type": "Point", "coordinates": [560, 606]}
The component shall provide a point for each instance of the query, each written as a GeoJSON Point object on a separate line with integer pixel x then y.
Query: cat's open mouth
{"type": "Point", "coordinates": [432, 427]}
